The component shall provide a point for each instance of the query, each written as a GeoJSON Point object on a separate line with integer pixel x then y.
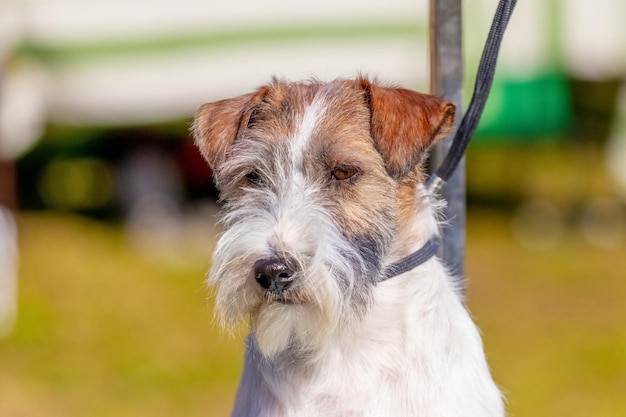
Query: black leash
{"type": "Point", "coordinates": [482, 86]}
{"type": "Point", "coordinates": [413, 260]}
{"type": "Point", "coordinates": [467, 127]}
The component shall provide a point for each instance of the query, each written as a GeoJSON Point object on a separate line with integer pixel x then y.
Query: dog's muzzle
{"type": "Point", "coordinates": [274, 274]}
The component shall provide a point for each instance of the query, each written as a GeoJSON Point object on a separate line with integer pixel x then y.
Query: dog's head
{"type": "Point", "coordinates": [316, 179]}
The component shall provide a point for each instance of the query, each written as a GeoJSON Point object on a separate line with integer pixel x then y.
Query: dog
{"type": "Point", "coordinates": [322, 187]}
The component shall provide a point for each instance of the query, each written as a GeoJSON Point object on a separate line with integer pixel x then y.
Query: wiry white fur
{"type": "Point", "coordinates": [306, 128]}
{"type": "Point", "coordinates": [414, 350]}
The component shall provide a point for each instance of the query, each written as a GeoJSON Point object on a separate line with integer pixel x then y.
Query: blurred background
{"type": "Point", "coordinates": [107, 210]}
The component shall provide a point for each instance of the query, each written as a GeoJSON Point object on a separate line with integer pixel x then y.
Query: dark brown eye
{"type": "Point", "coordinates": [344, 173]}
{"type": "Point", "coordinates": [254, 178]}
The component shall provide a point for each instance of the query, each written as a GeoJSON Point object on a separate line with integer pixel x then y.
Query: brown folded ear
{"type": "Point", "coordinates": [404, 124]}
{"type": "Point", "coordinates": [217, 124]}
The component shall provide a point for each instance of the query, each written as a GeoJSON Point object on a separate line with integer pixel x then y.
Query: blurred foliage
{"type": "Point", "coordinates": [107, 330]}
{"type": "Point", "coordinates": [565, 173]}
{"type": "Point", "coordinates": [76, 169]}
{"type": "Point", "coordinates": [594, 108]}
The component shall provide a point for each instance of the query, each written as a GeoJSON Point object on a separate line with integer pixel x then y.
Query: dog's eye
{"type": "Point", "coordinates": [343, 173]}
{"type": "Point", "coordinates": [254, 178]}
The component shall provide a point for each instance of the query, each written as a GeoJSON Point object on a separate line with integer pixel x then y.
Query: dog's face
{"type": "Point", "coordinates": [314, 178]}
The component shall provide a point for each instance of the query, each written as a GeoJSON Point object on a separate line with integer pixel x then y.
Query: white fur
{"type": "Point", "coordinates": [306, 128]}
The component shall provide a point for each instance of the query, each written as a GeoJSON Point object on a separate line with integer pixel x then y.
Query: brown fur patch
{"type": "Point", "coordinates": [404, 124]}
{"type": "Point", "coordinates": [216, 124]}
{"type": "Point", "coordinates": [277, 115]}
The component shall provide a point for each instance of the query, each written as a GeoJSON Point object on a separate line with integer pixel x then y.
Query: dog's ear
{"type": "Point", "coordinates": [404, 124]}
{"type": "Point", "coordinates": [216, 125]}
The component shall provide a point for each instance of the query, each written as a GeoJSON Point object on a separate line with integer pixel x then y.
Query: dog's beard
{"type": "Point", "coordinates": [332, 290]}
{"type": "Point", "coordinates": [300, 328]}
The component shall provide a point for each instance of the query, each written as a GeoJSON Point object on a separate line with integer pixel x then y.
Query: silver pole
{"type": "Point", "coordinates": [446, 79]}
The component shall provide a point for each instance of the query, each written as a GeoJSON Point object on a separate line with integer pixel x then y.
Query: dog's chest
{"type": "Point", "coordinates": [374, 372]}
{"type": "Point", "coordinates": [362, 383]}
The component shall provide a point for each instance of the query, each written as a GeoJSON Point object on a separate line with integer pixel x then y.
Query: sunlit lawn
{"type": "Point", "coordinates": [107, 330]}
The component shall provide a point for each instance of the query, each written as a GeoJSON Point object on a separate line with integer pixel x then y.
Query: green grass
{"type": "Point", "coordinates": [553, 321]}
{"type": "Point", "coordinates": [105, 330]}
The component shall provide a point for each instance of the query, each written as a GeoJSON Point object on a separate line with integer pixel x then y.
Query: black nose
{"type": "Point", "coordinates": [273, 274]}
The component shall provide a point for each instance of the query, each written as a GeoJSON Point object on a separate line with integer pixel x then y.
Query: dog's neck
{"type": "Point", "coordinates": [416, 220]}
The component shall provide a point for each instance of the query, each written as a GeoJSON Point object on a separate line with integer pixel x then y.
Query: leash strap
{"type": "Point", "coordinates": [482, 86]}
{"type": "Point", "coordinates": [413, 260]}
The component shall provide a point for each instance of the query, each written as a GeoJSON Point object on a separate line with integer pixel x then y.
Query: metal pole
{"type": "Point", "coordinates": [446, 79]}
